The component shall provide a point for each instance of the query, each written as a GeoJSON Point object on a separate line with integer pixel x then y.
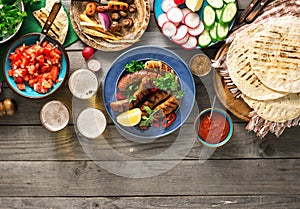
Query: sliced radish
{"type": "Point", "coordinates": [185, 11]}
{"type": "Point", "coordinates": [169, 29]}
{"type": "Point", "coordinates": [182, 30]}
{"type": "Point", "coordinates": [162, 19]}
{"type": "Point", "coordinates": [192, 20]}
{"type": "Point", "coordinates": [182, 41]}
{"type": "Point", "coordinates": [167, 4]}
{"type": "Point", "coordinates": [197, 31]}
{"type": "Point", "coordinates": [175, 15]}
{"type": "Point", "coordinates": [191, 43]}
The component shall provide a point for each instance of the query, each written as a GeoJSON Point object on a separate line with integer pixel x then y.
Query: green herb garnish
{"type": "Point", "coordinates": [129, 93]}
{"type": "Point", "coordinates": [134, 66]}
{"type": "Point", "coordinates": [169, 82]}
{"type": "Point", "coordinates": [11, 16]}
{"type": "Point", "coordinates": [147, 120]}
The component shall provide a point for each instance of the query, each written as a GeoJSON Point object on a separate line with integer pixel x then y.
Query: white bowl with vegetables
{"type": "Point", "coordinates": [12, 14]}
{"type": "Point", "coordinates": [195, 24]}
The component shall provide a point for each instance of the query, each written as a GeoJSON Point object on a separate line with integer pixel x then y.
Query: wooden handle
{"type": "Point", "coordinates": [251, 17]}
{"type": "Point", "coordinates": [247, 11]}
{"type": "Point", "coordinates": [54, 11]}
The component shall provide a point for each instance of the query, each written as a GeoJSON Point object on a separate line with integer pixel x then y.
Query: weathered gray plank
{"type": "Point", "coordinates": [213, 177]}
{"type": "Point", "coordinates": [180, 202]}
{"type": "Point", "coordinates": [36, 143]}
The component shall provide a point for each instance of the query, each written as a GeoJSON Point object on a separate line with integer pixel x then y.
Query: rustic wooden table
{"type": "Point", "coordinates": [40, 169]}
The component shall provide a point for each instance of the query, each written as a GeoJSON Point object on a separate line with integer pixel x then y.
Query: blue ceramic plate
{"type": "Point", "coordinates": [158, 11]}
{"type": "Point", "coordinates": [144, 53]}
{"type": "Point", "coordinates": [31, 39]}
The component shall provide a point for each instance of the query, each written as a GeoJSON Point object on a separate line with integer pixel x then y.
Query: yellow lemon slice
{"type": "Point", "coordinates": [194, 5]}
{"type": "Point", "coordinates": [130, 117]}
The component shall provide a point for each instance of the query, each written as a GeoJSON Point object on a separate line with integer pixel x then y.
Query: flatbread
{"type": "Point", "coordinates": [275, 54]}
{"type": "Point", "coordinates": [240, 67]}
{"type": "Point", "coordinates": [278, 110]}
{"type": "Point", "coordinates": [59, 28]}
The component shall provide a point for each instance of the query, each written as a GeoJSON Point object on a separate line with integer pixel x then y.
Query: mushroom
{"type": "Point", "coordinates": [123, 13]}
{"type": "Point", "coordinates": [2, 110]}
{"type": "Point", "coordinates": [115, 27]}
{"type": "Point", "coordinates": [115, 16]}
{"type": "Point", "coordinates": [127, 23]}
{"type": "Point", "coordinates": [10, 106]}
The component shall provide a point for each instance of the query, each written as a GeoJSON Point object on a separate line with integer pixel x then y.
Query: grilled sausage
{"type": "Point", "coordinates": [121, 105]}
{"type": "Point", "coordinates": [155, 99]}
{"type": "Point", "coordinates": [131, 78]}
{"type": "Point", "coordinates": [166, 107]}
{"type": "Point", "coordinates": [117, 6]}
{"type": "Point", "coordinates": [143, 91]}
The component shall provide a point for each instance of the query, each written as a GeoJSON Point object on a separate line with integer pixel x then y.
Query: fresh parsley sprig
{"type": "Point", "coordinates": [169, 82]}
{"type": "Point", "coordinates": [146, 120]}
{"type": "Point", "coordinates": [129, 93]}
{"type": "Point", "coordinates": [134, 66]}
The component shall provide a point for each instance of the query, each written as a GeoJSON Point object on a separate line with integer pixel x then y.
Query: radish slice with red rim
{"type": "Point", "coordinates": [175, 15]}
{"type": "Point", "coordinates": [185, 11]}
{"type": "Point", "coordinates": [182, 41]}
{"type": "Point", "coordinates": [162, 19]}
{"type": "Point", "coordinates": [169, 29]}
{"type": "Point", "coordinates": [167, 4]}
{"type": "Point", "coordinates": [192, 20]}
{"type": "Point", "coordinates": [197, 31]}
{"type": "Point", "coordinates": [182, 30]}
{"type": "Point", "coordinates": [191, 43]}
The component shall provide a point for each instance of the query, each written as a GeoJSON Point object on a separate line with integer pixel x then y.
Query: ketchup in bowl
{"type": "Point", "coordinates": [213, 131]}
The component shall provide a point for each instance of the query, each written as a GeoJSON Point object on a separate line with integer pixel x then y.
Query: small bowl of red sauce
{"type": "Point", "coordinates": [213, 130]}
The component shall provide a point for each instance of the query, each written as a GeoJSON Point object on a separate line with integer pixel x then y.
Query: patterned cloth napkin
{"type": "Point", "coordinates": [31, 25]}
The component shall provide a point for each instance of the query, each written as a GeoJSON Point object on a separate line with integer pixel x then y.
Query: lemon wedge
{"type": "Point", "coordinates": [194, 5]}
{"type": "Point", "coordinates": [130, 117]}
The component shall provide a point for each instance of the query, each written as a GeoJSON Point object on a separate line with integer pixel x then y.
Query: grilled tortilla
{"type": "Point", "coordinates": [241, 71]}
{"type": "Point", "coordinates": [275, 54]}
{"type": "Point", "coordinates": [59, 28]}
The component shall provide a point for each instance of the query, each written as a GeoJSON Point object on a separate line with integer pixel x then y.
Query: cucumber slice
{"type": "Point", "coordinates": [229, 1]}
{"type": "Point", "coordinates": [213, 32]}
{"type": "Point", "coordinates": [217, 4]}
{"type": "Point", "coordinates": [209, 17]}
{"type": "Point", "coordinates": [222, 31]}
{"type": "Point", "coordinates": [204, 39]}
{"type": "Point", "coordinates": [228, 13]}
{"type": "Point", "coordinates": [219, 13]}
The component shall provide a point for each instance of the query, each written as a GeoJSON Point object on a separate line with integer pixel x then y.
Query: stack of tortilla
{"type": "Point", "coordinates": [264, 63]}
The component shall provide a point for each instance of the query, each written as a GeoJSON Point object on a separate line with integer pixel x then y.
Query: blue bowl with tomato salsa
{"type": "Point", "coordinates": [215, 131]}
{"type": "Point", "coordinates": [29, 92]}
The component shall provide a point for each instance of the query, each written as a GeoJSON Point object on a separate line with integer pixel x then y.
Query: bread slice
{"type": "Point", "coordinates": [59, 28]}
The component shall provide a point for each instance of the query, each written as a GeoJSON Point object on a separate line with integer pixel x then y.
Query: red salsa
{"type": "Point", "coordinates": [215, 129]}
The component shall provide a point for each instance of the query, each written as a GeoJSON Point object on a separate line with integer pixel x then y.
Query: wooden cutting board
{"type": "Point", "coordinates": [236, 106]}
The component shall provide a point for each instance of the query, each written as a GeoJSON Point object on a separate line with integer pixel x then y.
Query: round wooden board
{"type": "Point", "coordinates": [236, 106]}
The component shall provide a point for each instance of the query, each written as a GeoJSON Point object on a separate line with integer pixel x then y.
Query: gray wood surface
{"type": "Point", "coordinates": [41, 169]}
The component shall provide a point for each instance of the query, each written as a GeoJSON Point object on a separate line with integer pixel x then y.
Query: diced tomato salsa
{"type": "Point", "coordinates": [38, 65]}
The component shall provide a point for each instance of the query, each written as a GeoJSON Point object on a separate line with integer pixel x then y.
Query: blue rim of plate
{"type": "Point", "coordinates": [158, 11]}
{"type": "Point", "coordinates": [29, 92]}
{"type": "Point", "coordinates": [142, 53]}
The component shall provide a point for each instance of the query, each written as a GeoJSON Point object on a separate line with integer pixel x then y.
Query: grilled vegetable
{"type": "Point", "coordinates": [90, 8]}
